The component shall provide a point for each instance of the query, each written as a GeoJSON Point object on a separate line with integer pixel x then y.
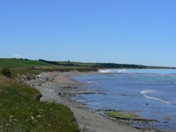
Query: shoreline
{"type": "Point", "coordinates": [57, 87]}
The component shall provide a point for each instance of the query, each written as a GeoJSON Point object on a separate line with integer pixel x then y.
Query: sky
{"type": "Point", "coordinates": [112, 31]}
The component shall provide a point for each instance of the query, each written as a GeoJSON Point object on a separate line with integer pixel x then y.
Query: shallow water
{"type": "Point", "coordinates": [150, 93]}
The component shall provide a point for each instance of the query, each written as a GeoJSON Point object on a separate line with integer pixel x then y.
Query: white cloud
{"type": "Point", "coordinates": [17, 56]}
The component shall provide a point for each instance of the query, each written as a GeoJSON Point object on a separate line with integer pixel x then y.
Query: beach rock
{"type": "Point", "coordinates": [37, 97]}
{"type": "Point", "coordinates": [101, 93]}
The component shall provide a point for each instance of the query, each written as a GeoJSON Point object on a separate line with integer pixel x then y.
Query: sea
{"type": "Point", "coordinates": [150, 93]}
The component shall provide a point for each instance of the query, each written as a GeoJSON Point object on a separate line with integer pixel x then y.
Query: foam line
{"type": "Point", "coordinates": [112, 71]}
{"type": "Point", "coordinates": [144, 92]}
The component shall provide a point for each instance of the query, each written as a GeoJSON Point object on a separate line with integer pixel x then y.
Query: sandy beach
{"type": "Point", "coordinates": [57, 87]}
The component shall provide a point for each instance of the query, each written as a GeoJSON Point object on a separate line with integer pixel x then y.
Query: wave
{"type": "Point", "coordinates": [145, 92]}
{"type": "Point", "coordinates": [172, 75]}
{"type": "Point", "coordinates": [157, 99]}
{"type": "Point", "coordinates": [91, 82]}
{"type": "Point", "coordinates": [112, 71]}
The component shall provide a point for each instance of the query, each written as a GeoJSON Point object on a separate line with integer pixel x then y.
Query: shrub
{"type": "Point", "coordinates": [6, 72]}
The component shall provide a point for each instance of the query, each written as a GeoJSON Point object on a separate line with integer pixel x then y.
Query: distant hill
{"type": "Point", "coordinates": [12, 62]}
{"type": "Point", "coordinates": [104, 65]}
{"type": "Point", "coordinates": [8, 62]}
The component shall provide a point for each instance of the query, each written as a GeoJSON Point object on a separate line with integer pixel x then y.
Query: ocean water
{"type": "Point", "coordinates": [149, 93]}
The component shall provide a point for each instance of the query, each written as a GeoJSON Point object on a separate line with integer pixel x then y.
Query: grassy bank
{"type": "Point", "coordinates": [21, 112]}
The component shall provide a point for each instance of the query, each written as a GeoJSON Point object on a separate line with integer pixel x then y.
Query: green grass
{"type": "Point", "coordinates": [24, 66]}
{"type": "Point", "coordinates": [20, 112]}
{"type": "Point", "coordinates": [83, 64]}
{"type": "Point", "coordinates": [12, 62]}
{"type": "Point", "coordinates": [21, 63]}
{"type": "Point", "coordinates": [123, 115]}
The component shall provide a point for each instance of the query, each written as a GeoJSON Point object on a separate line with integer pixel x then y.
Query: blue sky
{"type": "Point", "coordinates": [120, 31]}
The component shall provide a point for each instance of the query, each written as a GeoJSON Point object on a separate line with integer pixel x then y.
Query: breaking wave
{"type": "Point", "coordinates": [91, 82]}
{"type": "Point", "coordinates": [145, 92]}
{"type": "Point", "coordinates": [112, 71]}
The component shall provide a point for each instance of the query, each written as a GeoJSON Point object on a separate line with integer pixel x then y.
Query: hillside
{"type": "Point", "coordinates": [20, 111]}
{"type": "Point", "coordinates": [8, 62]}
{"type": "Point", "coordinates": [104, 65]}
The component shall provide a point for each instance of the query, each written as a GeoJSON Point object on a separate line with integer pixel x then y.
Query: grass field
{"type": "Point", "coordinates": [21, 63]}
{"type": "Point", "coordinates": [25, 66]}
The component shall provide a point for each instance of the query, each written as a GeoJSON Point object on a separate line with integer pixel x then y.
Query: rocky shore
{"type": "Point", "coordinates": [57, 87]}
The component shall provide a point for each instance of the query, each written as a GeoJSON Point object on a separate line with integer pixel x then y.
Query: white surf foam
{"type": "Point", "coordinates": [157, 99]}
{"type": "Point", "coordinates": [148, 91]}
{"type": "Point", "coordinates": [91, 82]}
{"type": "Point", "coordinates": [112, 71]}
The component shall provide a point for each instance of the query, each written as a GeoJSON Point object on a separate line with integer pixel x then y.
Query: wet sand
{"type": "Point", "coordinates": [57, 87]}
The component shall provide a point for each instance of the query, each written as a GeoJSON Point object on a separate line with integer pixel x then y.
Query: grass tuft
{"type": "Point", "coordinates": [20, 112]}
